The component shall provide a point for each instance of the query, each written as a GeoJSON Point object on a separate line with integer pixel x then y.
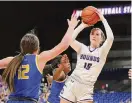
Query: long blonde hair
{"type": "Point", "coordinates": [29, 43]}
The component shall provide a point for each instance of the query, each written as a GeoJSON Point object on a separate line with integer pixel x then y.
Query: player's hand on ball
{"type": "Point", "coordinates": [101, 16]}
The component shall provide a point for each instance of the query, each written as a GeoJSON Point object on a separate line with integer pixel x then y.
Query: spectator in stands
{"type": "Point", "coordinates": [42, 99]}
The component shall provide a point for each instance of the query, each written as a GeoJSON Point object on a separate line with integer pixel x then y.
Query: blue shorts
{"type": "Point", "coordinates": [17, 101]}
{"type": "Point", "coordinates": [21, 100]}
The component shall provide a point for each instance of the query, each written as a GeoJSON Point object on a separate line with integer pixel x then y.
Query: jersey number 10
{"type": "Point", "coordinates": [87, 65]}
{"type": "Point", "coordinates": [22, 72]}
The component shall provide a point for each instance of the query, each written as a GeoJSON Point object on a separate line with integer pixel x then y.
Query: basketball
{"type": "Point", "coordinates": [89, 15]}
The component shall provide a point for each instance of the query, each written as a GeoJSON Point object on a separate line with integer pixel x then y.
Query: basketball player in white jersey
{"type": "Point", "coordinates": [90, 61]}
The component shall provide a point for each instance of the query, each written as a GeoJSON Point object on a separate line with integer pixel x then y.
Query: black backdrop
{"type": "Point", "coordinates": [18, 17]}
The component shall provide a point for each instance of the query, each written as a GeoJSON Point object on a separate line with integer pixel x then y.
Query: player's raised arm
{"type": "Point", "coordinates": [4, 62]}
{"type": "Point", "coordinates": [63, 45]}
{"type": "Point", "coordinates": [75, 44]}
{"type": "Point", "coordinates": [110, 37]}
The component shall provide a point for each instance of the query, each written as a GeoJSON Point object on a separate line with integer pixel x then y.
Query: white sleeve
{"type": "Point", "coordinates": [76, 44]}
{"type": "Point", "coordinates": [109, 41]}
{"type": "Point", "coordinates": [77, 31]}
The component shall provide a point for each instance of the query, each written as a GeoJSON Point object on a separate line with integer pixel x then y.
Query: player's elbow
{"type": "Point", "coordinates": [55, 77]}
{"type": "Point", "coordinates": [111, 37]}
{"type": "Point", "coordinates": [67, 71]}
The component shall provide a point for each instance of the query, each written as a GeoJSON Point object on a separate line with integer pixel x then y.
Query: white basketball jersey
{"type": "Point", "coordinates": [90, 63]}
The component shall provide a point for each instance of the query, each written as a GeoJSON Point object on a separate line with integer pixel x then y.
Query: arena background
{"type": "Point", "coordinates": [49, 18]}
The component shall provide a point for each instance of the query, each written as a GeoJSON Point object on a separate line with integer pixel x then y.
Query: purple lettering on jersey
{"type": "Point", "coordinates": [81, 56]}
{"type": "Point", "coordinates": [98, 59]}
{"type": "Point", "coordinates": [94, 58]}
{"type": "Point", "coordinates": [88, 57]}
{"type": "Point", "coordinates": [91, 58]}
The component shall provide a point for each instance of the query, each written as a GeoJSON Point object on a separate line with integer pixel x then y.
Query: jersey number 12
{"type": "Point", "coordinates": [87, 65]}
{"type": "Point", "coordinates": [22, 72]}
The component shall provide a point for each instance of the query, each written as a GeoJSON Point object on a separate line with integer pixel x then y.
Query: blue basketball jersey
{"type": "Point", "coordinates": [27, 79]}
{"type": "Point", "coordinates": [55, 91]}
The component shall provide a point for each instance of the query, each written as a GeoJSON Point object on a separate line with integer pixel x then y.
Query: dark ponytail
{"type": "Point", "coordinates": [10, 71]}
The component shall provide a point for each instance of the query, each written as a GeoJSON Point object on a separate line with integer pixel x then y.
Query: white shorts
{"type": "Point", "coordinates": [74, 91]}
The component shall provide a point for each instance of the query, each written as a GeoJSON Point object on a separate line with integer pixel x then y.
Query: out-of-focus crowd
{"type": "Point", "coordinates": [4, 92]}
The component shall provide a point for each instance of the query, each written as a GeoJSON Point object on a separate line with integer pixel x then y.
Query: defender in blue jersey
{"type": "Point", "coordinates": [59, 77]}
{"type": "Point", "coordinates": [23, 72]}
